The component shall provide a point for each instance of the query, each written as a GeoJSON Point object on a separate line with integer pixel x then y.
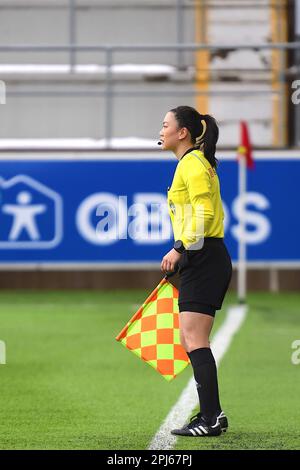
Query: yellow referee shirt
{"type": "Point", "coordinates": [194, 200]}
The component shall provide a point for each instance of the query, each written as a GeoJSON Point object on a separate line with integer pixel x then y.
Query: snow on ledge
{"type": "Point", "coordinates": [127, 69]}
{"type": "Point", "coordinates": [125, 144]}
{"type": "Point", "coordinates": [78, 144]}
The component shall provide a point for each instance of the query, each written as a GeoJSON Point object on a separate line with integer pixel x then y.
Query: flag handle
{"type": "Point", "coordinates": [242, 248]}
{"type": "Point", "coordinates": [138, 313]}
{"type": "Point", "coordinates": [172, 273]}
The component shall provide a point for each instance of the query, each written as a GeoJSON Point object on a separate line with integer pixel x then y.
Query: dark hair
{"type": "Point", "coordinates": [189, 117]}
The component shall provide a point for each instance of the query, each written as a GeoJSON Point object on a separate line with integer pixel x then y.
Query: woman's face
{"type": "Point", "coordinates": [169, 133]}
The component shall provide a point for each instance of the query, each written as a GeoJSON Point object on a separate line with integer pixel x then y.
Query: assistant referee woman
{"type": "Point", "coordinates": [205, 268]}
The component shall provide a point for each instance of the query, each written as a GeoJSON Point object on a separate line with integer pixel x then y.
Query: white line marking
{"type": "Point", "coordinates": [188, 400]}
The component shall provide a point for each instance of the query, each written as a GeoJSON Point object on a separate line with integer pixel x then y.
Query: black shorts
{"type": "Point", "coordinates": [204, 277]}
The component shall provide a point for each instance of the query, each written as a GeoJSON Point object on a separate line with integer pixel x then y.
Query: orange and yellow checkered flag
{"type": "Point", "coordinates": [153, 332]}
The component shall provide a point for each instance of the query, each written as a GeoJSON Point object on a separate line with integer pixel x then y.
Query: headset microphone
{"type": "Point", "coordinates": [159, 143]}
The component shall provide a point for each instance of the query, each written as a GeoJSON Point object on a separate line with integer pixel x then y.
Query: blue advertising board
{"type": "Point", "coordinates": [114, 210]}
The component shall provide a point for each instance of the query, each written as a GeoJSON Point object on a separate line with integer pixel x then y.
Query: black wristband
{"type": "Point", "coordinates": [179, 246]}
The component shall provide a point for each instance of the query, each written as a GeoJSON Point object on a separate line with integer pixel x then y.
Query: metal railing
{"type": "Point", "coordinates": [179, 6]}
{"type": "Point", "coordinates": [109, 92]}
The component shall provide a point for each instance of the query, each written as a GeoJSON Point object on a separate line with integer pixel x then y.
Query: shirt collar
{"type": "Point", "coordinates": [188, 151]}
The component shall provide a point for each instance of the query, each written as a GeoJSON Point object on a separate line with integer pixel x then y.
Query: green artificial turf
{"type": "Point", "coordinates": [68, 384]}
{"type": "Point", "coordinates": [259, 385]}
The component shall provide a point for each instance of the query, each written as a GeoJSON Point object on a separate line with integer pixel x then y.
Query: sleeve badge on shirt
{"type": "Point", "coordinates": [172, 207]}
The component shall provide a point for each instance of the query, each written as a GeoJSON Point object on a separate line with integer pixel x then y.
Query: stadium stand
{"type": "Point", "coordinates": [65, 90]}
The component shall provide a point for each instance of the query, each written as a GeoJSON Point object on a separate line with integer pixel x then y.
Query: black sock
{"type": "Point", "coordinates": [205, 373]}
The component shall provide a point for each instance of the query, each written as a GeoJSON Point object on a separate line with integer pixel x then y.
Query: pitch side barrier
{"type": "Point", "coordinates": [107, 210]}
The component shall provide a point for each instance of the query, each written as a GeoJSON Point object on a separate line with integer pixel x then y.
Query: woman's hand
{"type": "Point", "coordinates": [170, 260]}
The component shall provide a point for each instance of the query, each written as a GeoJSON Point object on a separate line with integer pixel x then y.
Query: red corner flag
{"type": "Point", "coordinates": [245, 147]}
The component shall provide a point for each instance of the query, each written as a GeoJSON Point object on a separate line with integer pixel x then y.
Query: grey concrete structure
{"type": "Point", "coordinates": [51, 113]}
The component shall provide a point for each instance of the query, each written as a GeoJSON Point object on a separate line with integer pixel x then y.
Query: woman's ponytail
{"type": "Point", "coordinates": [203, 129]}
{"type": "Point", "coordinates": [207, 140]}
